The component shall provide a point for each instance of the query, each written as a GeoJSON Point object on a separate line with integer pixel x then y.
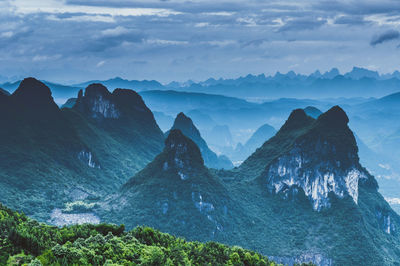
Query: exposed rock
{"type": "Point", "coordinates": [97, 102]}
{"type": "Point", "coordinates": [316, 180]}
{"type": "Point", "coordinates": [316, 259]}
{"type": "Point", "coordinates": [87, 157]}
{"type": "Point", "coordinates": [320, 158]}
{"type": "Point", "coordinates": [59, 218]}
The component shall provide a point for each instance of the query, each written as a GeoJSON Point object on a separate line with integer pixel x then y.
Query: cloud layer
{"type": "Point", "coordinates": [74, 40]}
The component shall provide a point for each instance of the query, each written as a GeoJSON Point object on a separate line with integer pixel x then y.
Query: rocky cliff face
{"type": "Point", "coordinates": [97, 102]}
{"type": "Point", "coordinates": [321, 161]}
{"type": "Point", "coordinates": [296, 169]}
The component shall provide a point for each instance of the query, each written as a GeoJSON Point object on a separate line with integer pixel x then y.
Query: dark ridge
{"type": "Point", "coordinates": [178, 145]}
{"type": "Point", "coordinates": [31, 89]}
{"type": "Point", "coordinates": [297, 119]}
{"type": "Point", "coordinates": [95, 89]}
{"type": "Point", "coordinates": [128, 97]}
{"type": "Point", "coordinates": [312, 111]}
{"type": "Point", "coordinates": [185, 124]}
{"type": "Point", "coordinates": [334, 117]}
{"type": "Point", "coordinates": [4, 92]}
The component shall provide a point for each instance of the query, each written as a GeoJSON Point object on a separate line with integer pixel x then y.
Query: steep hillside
{"type": "Point", "coordinates": [186, 126]}
{"type": "Point", "coordinates": [308, 180]}
{"type": "Point", "coordinates": [302, 196]}
{"type": "Point", "coordinates": [178, 194]}
{"type": "Point", "coordinates": [51, 157]}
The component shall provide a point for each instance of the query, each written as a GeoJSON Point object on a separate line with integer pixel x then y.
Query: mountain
{"type": "Point", "coordinates": [312, 111]}
{"type": "Point", "coordinates": [311, 170]}
{"type": "Point", "coordinates": [52, 157]}
{"type": "Point", "coordinates": [261, 135]}
{"type": "Point", "coordinates": [60, 92]}
{"type": "Point", "coordinates": [4, 92]}
{"type": "Point", "coordinates": [302, 196]}
{"type": "Point", "coordinates": [220, 135]}
{"type": "Point", "coordinates": [186, 126]}
{"type": "Point", "coordinates": [175, 192]}
{"type": "Point", "coordinates": [359, 73]}
{"type": "Point", "coordinates": [336, 169]}
{"type": "Point", "coordinates": [331, 73]}
{"type": "Point", "coordinates": [27, 242]}
{"type": "Point", "coordinates": [69, 103]}
{"type": "Point", "coordinates": [180, 101]}
{"type": "Point", "coordinates": [356, 83]}
{"type": "Point", "coordinates": [118, 82]}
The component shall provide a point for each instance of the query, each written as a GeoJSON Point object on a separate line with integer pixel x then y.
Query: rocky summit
{"type": "Point", "coordinates": [319, 163]}
{"type": "Point", "coordinates": [212, 160]}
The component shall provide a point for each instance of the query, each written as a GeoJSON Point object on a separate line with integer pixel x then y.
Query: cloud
{"type": "Point", "coordinates": [203, 35]}
{"type": "Point", "coordinates": [101, 63]}
{"type": "Point", "coordinates": [119, 30]}
{"type": "Point", "coordinates": [351, 20]}
{"type": "Point", "coordinates": [385, 37]}
{"type": "Point", "coordinates": [301, 24]}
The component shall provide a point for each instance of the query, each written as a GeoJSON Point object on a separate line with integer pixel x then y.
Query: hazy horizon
{"type": "Point", "coordinates": [68, 41]}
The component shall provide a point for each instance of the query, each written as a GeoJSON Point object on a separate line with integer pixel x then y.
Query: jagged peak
{"type": "Point", "coordinates": [297, 119]}
{"type": "Point", "coordinates": [312, 111]}
{"type": "Point", "coordinates": [128, 96]}
{"type": "Point", "coordinates": [182, 151]}
{"type": "Point", "coordinates": [96, 89]}
{"type": "Point", "coordinates": [334, 117]}
{"type": "Point", "coordinates": [182, 117]}
{"type": "Point", "coordinates": [97, 102]}
{"type": "Point", "coordinates": [31, 88]}
{"type": "Point", "coordinates": [185, 124]}
{"type": "Point", "coordinates": [176, 138]}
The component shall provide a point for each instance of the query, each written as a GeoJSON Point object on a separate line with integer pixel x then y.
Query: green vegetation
{"type": "Point", "coordinates": [245, 213]}
{"type": "Point", "coordinates": [27, 242]}
{"type": "Point", "coordinates": [45, 151]}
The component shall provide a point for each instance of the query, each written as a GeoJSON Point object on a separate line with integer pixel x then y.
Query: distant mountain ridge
{"type": "Point", "coordinates": [358, 83]}
{"type": "Point", "coordinates": [117, 82]}
{"type": "Point", "coordinates": [303, 190]}
{"type": "Point", "coordinates": [186, 126]}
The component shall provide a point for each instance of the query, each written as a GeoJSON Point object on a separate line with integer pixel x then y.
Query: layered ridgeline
{"type": "Point", "coordinates": [312, 111]}
{"type": "Point", "coordinates": [302, 196]}
{"type": "Point", "coordinates": [27, 242]}
{"type": "Point", "coordinates": [262, 134]}
{"type": "Point", "coordinates": [50, 157]}
{"type": "Point", "coordinates": [176, 193]}
{"type": "Point", "coordinates": [308, 180]}
{"type": "Point", "coordinates": [212, 160]}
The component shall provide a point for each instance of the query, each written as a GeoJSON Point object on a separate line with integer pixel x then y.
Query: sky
{"type": "Point", "coordinates": [70, 41]}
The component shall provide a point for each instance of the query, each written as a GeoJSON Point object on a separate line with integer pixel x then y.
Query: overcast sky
{"type": "Point", "coordinates": [76, 40]}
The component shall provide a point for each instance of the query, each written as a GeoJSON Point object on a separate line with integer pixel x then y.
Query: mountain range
{"type": "Point", "coordinates": [50, 156]}
{"type": "Point", "coordinates": [332, 84]}
{"type": "Point", "coordinates": [304, 190]}
{"type": "Point", "coordinates": [302, 195]}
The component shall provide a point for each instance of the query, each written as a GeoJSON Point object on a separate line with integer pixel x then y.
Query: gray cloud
{"type": "Point", "coordinates": [302, 24]}
{"type": "Point", "coordinates": [192, 39]}
{"type": "Point", "coordinates": [385, 37]}
{"type": "Point", "coordinates": [351, 20]}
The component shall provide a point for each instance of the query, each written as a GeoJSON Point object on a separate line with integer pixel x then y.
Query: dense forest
{"type": "Point", "coordinates": [25, 241]}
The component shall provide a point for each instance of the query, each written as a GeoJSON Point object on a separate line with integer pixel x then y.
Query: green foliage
{"type": "Point", "coordinates": [27, 242]}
